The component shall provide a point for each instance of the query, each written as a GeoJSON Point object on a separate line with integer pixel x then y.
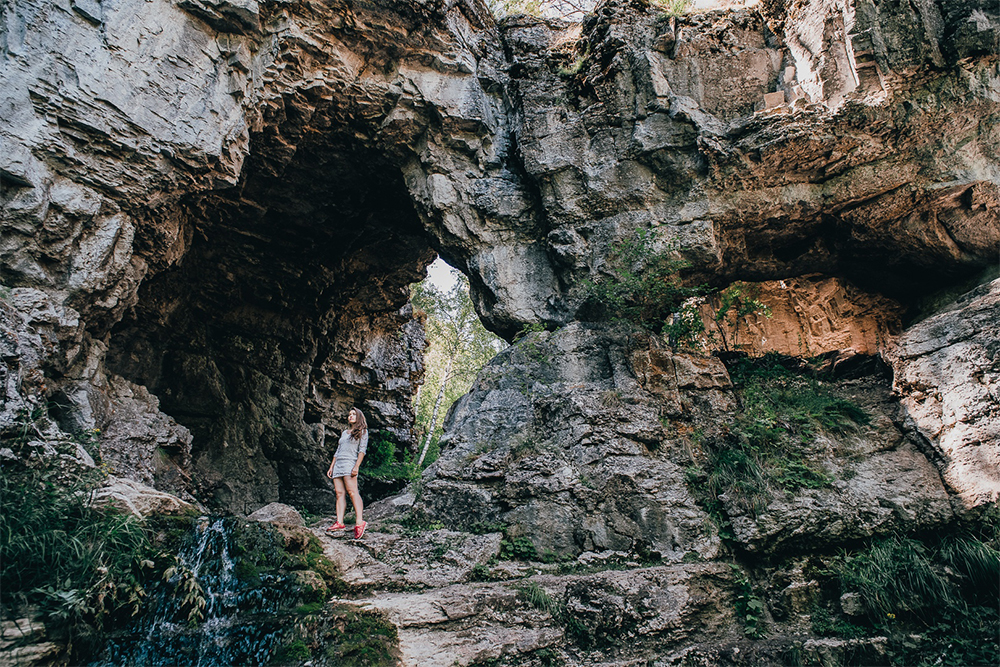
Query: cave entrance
{"type": "Point", "coordinates": [458, 346]}
{"type": "Point", "coordinates": [290, 306]}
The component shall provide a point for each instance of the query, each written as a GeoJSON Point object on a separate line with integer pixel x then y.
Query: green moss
{"type": "Point", "coordinates": [293, 653]}
{"type": "Point", "coordinates": [362, 639]}
{"type": "Point", "coordinates": [247, 573]}
{"type": "Point", "coordinates": [309, 609]}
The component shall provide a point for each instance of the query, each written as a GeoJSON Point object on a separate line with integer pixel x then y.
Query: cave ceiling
{"type": "Point", "coordinates": [234, 206]}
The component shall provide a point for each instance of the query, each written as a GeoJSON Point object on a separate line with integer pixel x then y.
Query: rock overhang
{"type": "Point", "coordinates": [353, 142]}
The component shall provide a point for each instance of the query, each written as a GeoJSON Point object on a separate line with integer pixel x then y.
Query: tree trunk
{"type": "Point", "coordinates": [434, 414]}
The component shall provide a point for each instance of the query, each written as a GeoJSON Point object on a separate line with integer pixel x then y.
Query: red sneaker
{"type": "Point", "coordinates": [359, 530]}
{"type": "Point", "coordinates": [335, 527]}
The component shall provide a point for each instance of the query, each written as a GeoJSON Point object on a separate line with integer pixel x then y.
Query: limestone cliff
{"type": "Point", "coordinates": [212, 209]}
{"type": "Point", "coordinates": [222, 203]}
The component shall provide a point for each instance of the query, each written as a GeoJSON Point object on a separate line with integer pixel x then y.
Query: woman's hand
{"type": "Point", "coordinates": [354, 472]}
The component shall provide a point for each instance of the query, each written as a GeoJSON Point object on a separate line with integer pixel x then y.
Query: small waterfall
{"type": "Point", "coordinates": [240, 622]}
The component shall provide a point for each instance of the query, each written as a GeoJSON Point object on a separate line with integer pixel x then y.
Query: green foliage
{"type": "Point", "coordinates": [897, 576]}
{"type": "Point", "coordinates": [247, 572]}
{"type": "Point", "coordinates": [548, 658]}
{"type": "Point", "coordinates": [826, 624]}
{"type": "Point", "coordinates": [539, 598]}
{"type": "Point", "coordinates": [935, 599]}
{"type": "Point", "coordinates": [485, 527]}
{"type": "Point", "coordinates": [768, 443]}
{"type": "Point", "coordinates": [749, 605]}
{"type": "Point", "coordinates": [791, 473]}
{"type": "Point", "coordinates": [501, 8]}
{"type": "Point", "coordinates": [382, 461]}
{"type": "Point", "coordinates": [674, 7]}
{"type": "Point", "coordinates": [292, 653]}
{"type": "Point", "coordinates": [362, 639]}
{"type": "Point", "coordinates": [518, 548]}
{"type": "Point", "coordinates": [458, 348]}
{"type": "Point", "coordinates": [778, 402]}
{"type": "Point", "coordinates": [736, 303]}
{"type": "Point", "coordinates": [309, 609]}
{"type": "Point", "coordinates": [190, 595]}
{"type": "Point", "coordinates": [83, 566]}
{"type": "Point", "coordinates": [643, 286]}
{"type": "Point", "coordinates": [525, 447]}
{"type": "Point", "coordinates": [578, 631]}
{"type": "Point", "coordinates": [574, 68]}
{"type": "Point", "coordinates": [480, 572]}
{"type": "Point", "coordinates": [741, 475]}
{"type": "Point", "coordinates": [528, 329]}
{"type": "Point", "coordinates": [416, 522]}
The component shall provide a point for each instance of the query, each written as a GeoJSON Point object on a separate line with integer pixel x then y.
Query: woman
{"type": "Point", "coordinates": [344, 471]}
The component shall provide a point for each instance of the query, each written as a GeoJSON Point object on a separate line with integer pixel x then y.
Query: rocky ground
{"type": "Point", "coordinates": [601, 541]}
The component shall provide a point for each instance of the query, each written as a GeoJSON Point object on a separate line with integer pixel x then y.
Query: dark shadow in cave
{"type": "Point", "coordinates": [290, 306]}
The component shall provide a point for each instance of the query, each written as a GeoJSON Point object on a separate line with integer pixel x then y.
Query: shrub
{"type": "Point", "coordinates": [518, 548]}
{"type": "Point", "coordinates": [644, 287]}
{"type": "Point", "coordinates": [83, 566]}
{"type": "Point", "coordinates": [748, 604]}
{"type": "Point", "coordinates": [382, 461]}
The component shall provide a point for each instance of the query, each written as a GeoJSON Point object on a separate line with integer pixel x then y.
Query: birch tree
{"type": "Point", "coordinates": [459, 346]}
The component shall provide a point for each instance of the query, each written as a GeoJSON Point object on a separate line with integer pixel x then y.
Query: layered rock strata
{"type": "Point", "coordinates": [584, 439]}
{"type": "Point", "coordinates": [223, 203]}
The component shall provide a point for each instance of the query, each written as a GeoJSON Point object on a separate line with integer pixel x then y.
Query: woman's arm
{"type": "Point", "coordinates": [329, 473]}
{"type": "Point", "coordinates": [362, 449]}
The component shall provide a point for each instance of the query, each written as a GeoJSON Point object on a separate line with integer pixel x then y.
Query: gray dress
{"type": "Point", "coordinates": [347, 453]}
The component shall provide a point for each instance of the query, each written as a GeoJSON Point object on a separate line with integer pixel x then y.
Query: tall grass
{"type": "Point", "coordinates": [935, 599]}
{"type": "Point", "coordinates": [896, 576]}
{"type": "Point", "coordinates": [768, 442]}
{"type": "Point", "coordinates": [82, 566]}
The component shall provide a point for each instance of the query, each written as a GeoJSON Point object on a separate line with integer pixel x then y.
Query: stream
{"type": "Point", "coordinates": [242, 619]}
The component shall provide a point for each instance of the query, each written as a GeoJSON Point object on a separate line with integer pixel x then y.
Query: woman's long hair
{"type": "Point", "coordinates": [360, 425]}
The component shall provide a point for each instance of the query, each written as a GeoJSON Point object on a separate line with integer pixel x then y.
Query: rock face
{"type": "Point", "coordinates": [808, 316]}
{"type": "Point", "coordinates": [584, 440]}
{"type": "Point", "coordinates": [213, 211]}
{"type": "Point", "coordinates": [559, 439]}
{"type": "Point", "coordinates": [947, 370]}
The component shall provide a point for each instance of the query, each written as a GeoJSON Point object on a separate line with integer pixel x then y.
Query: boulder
{"type": "Point", "coordinates": [128, 495]}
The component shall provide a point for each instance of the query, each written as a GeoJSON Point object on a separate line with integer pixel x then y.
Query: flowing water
{"type": "Point", "coordinates": [243, 617]}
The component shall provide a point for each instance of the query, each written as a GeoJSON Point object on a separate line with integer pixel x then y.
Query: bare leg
{"type": "Point", "coordinates": [338, 484]}
{"type": "Point", "coordinates": [359, 507]}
